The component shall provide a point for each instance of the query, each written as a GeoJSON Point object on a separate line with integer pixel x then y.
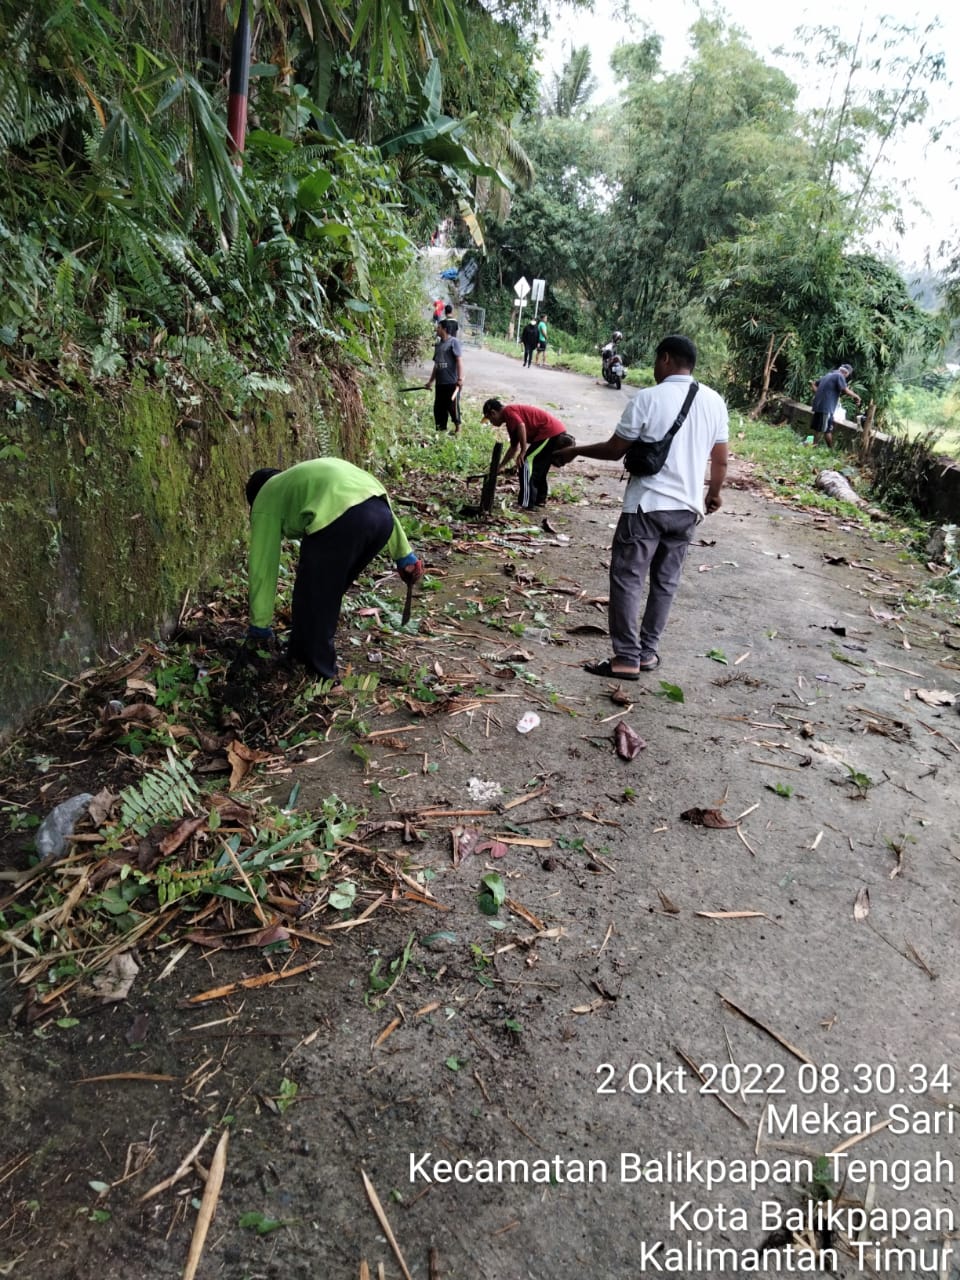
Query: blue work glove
{"type": "Point", "coordinates": [410, 568]}
{"type": "Point", "coordinates": [261, 634]}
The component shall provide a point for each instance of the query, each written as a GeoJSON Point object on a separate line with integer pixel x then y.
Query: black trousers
{"type": "Point", "coordinates": [330, 560]}
{"type": "Point", "coordinates": [446, 405]}
{"type": "Point", "coordinates": [528, 350]}
{"type": "Point", "coordinates": [534, 489]}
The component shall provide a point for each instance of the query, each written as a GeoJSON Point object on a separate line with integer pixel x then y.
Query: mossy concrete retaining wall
{"type": "Point", "coordinates": [112, 508]}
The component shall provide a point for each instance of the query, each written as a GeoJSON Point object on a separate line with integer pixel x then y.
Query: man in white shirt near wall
{"type": "Point", "coordinates": [660, 512]}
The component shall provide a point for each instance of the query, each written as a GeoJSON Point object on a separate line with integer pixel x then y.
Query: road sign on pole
{"type": "Point", "coordinates": [519, 302]}
{"type": "Point", "coordinates": [536, 294]}
{"type": "Point", "coordinates": [522, 287]}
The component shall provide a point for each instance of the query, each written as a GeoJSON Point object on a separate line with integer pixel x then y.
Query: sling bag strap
{"type": "Point", "coordinates": [684, 410]}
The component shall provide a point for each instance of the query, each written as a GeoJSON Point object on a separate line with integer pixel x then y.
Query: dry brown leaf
{"type": "Point", "coordinates": [707, 818]}
{"type": "Point", "coordinates": [914, 955]}
{"type": "Point", "coordinates": [520, 910]}
{"type": "Point", "coordinates": [668, 906]}
{"type": "Point", "coordinates": [232, 812]}
{"type": "Point", "coordinates": [936, 697]}
{"type": "Point", "coordinates": [101, 805]}
{"type": "Point", "coordinates": [628, 742]}
{"type": "Point", "coordinates": [386, 1033]}
{"type": "Point", "coordinates": [529, 842]}
{"type": "Point", "coordinates": [181, 833]}
{"type": "Point", "coordinates": [464, 841]}
{"type": "Point", "coordinates": [115, 979]}
{"type": "Point", "coordinates": [242, 759]}
{"type": "Point", "coordinates": [268, 936]}
{"type": "Point", "coordinates": [208, 1206]}
{"type": "Point", "coordinates": [861, 906]}
{"type": "Point", "coordinates": [141, 686]}
{"type": "Point", "coordinates": [384, 1223]}
{"type": "Point", "coordinates": [496, 848]}
{"type": "Point", "coordinates": [250, 984]}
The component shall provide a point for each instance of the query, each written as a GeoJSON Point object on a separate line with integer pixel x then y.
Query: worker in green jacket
{"type": "Point", "coordinates": [343, 518]}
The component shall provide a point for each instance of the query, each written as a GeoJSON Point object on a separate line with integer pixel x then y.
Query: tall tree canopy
{"type": "Point", "coordinates": [706, 147]}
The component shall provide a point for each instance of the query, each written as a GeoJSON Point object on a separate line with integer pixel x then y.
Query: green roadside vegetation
{"type": "Point", "coordinates": [179, 738]}
{"type": "Point", "coordinates": [238, 304]}
{"type": "Point", "coordinates": [187, 821]}
{"type": "Point", "coordinates": [930, 409]}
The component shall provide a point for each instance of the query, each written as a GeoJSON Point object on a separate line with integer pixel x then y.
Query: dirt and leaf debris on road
{"type": "Point", "coordinates": [387, 923]}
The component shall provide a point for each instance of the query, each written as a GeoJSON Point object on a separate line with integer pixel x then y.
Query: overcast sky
{"type": "Point", "coordinates": [930, 174]}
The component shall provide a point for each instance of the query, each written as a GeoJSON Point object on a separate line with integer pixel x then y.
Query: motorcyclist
{"type": "Point", "coordinates": [607, 354]}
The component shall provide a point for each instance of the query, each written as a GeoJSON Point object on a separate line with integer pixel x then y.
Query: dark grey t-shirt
{"type": "Point", "coordinates": [445, 360]}
{"type": "Point", "coordinates": [829, 390]}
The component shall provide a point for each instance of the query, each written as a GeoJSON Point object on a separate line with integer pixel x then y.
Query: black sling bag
{"type": "Point", "coordinates": [646, 457]}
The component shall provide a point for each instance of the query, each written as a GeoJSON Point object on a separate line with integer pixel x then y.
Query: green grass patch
{"type": "Point", "coordinates": [789, 467]}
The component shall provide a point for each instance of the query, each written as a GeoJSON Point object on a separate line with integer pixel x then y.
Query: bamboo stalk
{"type": "Point", "coordinates": [208, 1205]}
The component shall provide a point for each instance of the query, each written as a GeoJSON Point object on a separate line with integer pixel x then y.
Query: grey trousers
{"type": "Point", "coordinates": [650, 544]}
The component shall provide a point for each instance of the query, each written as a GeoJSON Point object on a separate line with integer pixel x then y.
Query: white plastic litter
{"type": "Point", "coordinates": [482, 792]}
{"type": "Point", "coordinates": [527, 722]}
{"type": "Point", "coordinates": [57, 827]}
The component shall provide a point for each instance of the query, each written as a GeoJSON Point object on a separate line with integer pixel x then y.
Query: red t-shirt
{"type": "Point", "coordinates": [539, 424]}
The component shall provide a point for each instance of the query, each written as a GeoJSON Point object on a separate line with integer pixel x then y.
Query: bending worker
{"type": "Point", "coordinates": [343, 518]}
{"type": "Point", "coordinates": [535, 436]}
{"type": "Point", "coordinates": [827, 392]}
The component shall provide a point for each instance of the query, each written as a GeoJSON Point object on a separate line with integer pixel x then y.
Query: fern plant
{"type": "Point", "coordinates": [164, 794]}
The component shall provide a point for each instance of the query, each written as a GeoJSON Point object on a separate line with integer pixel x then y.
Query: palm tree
{"type": "Point", "coordinates": [572, 87]}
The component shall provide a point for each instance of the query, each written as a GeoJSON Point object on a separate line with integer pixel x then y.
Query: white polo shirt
{"type": "Point", "coordinates": [649, 416]}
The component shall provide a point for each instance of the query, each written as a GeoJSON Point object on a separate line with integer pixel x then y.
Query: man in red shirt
{"type": "Point", "coordinates": [534, 437]}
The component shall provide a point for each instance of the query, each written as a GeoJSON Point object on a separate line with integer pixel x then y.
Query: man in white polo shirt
{"type": "Point", "coordinates": [660, 512]}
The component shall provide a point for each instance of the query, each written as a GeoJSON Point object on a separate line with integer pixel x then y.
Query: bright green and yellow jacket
{"type": "Point", "coordinates": [301, 500]}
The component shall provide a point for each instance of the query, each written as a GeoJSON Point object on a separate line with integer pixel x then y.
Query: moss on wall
{"type": "Point", "coordinates": [112, 508]}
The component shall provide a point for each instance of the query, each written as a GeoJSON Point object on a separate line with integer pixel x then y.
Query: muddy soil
{"type": "Point", "coordinates": [717, 1005]}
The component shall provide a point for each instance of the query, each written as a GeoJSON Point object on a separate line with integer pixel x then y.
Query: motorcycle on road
{"type": "Point", "coordinates": [611, 364]}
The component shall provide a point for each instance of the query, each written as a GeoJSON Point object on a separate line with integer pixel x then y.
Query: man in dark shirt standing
{"type": "Point", "coordinates": [447, 376]}
{"type": "Point", "coordinates": [529, 339]}
{"type": "Point", "coordinates": [827, 393]}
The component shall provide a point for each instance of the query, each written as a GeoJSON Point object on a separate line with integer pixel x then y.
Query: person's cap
{"type": "Point", "coordinates": [846, 368]}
